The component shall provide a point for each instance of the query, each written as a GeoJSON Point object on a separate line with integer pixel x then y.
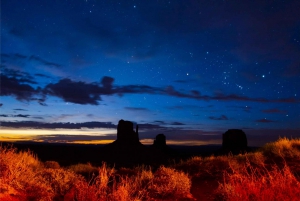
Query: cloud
{"type": "Point", "coordinates": [18, 109]}
{"type": "Point", "coordinates": [75, 92]}
{"type": "Point", "coordinates": [21, 76]}
{"type": "Point", "coordinates": [150, 126]}
{"type": "Point", "coordinates": [80, 92]}
{"type": "Point", "coordinates": [265, 121]}
{"type": "Point", "coordinates": [195, 93]}
{"type": "Point", "coordinates": [90, 93]}
{"type": "Point", "coordinates": [107, 83]}
{"type": "Point", "coordinates": [42, 75]}
{"type": "Point", "coordinates": [23, 58]}
{"type": "Point", "coordinates": [182, 81]}
{"type": "Point", "coordinates": [4, 115]}
{"type": "Point", "coordinates": [21, 115]}
{"type": "Point", "coordinates": [44, 62]}
{"type": "Point", "coordinates": [136, 108]}
{"type": "Point", "coordinates": [11, 86]}
{"type": "Point", "coordinates": [235, 97]}
{"type": "Point", "coordinates": [92, 124]}
{"type": "Point", "coordinates": [68, 125]}
{"type": "Point", "coordinates": [172, 92]}
{"type": "Point", "coordinates": [222, 117]}
{"type": "Point", "coordinates": [18, 115]}
{"type": "Point", "coordinates": [274, 111]}
{"type": "Point", "coordinates": [177, 123]}
{"type": "Point", "coordinates": [41, 125]}
{"type": "Point", "coordinates": [245, 108]}
{"type": "Point", "coordinates": [72, 138]}
{"type": "Point", "coordinates": [159, 122]}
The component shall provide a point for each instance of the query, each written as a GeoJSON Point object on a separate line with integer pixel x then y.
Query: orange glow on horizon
{"type": "Point", "coordinates": [37, 132]}
{"type": "Point", "coordinates": [15, 135]}
{"type": "Point", "coordinates": [183, 142]}
{"type": "Point", "coordinates": [91, 142]}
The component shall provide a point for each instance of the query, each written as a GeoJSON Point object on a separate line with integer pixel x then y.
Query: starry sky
{"type": "Point", "coordinates": [71, 69]}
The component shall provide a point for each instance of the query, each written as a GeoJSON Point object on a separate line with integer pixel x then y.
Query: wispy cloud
{"type": "Point", "coordinates": [41, 125]}
{"type": "Point", "coordinates": [265, 121]}
{"type": "Point", "coordinates": [176, 123]}
{"type": "Point", "coordinates": [33, 58]}
{"type": "Point", "coordinates": [90, 93]}
{"type": "Point", "coordinates": [136, 109]}
{"type": "Point", "coordinates": [11, 86]}
{"type": "Point", "coordinates": [274, 111]}
{"type": "Point", "coordinates": [19, 109]}
{"type": "Point", "coordinates": [18, 115]}
{"type": "Point", "coordinates": [222, 117]}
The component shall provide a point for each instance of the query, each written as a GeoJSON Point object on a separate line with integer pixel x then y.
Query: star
{"type": "Point", "coordinates": [263, 76]}
{"type": "Point", "coordinates": [239, 86]}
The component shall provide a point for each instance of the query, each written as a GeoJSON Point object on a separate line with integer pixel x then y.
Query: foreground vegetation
{"type": "Point", "coordinates": [271, 173]}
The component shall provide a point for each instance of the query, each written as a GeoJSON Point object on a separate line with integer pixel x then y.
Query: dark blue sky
{"type": "Point", "coordinates": [189, 69]}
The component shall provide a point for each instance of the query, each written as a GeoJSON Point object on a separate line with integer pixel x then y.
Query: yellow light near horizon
{"type": "Point", "coordinates": [183, 142]}
{"type": "Point", "coordinates": [91, 142]}
{"type": "Point", "coordinates": [37, 132]}
{"type": "Point", "coordinates": [12, 135]}
{"type": "Point", "coordinates": [192, 142]}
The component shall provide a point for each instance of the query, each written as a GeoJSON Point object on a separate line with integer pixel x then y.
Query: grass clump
{"type": "Point", "coordinates": [169, 183]}
{"type": "Point", "coordinates": [207, 167]}
{"type": "Point", "coordinates": [271, 173]}
{"type": "Point", "coordinates": [86, 170]}
{"type": "Point", "coordinates": [24, 177]}
{"type": "Point", "coordinates": [283, 147]}
{"type": "Point", "coordinates": [268, 185]}
{"type": "Point", "coordinates": [18, 175]}
{"type": "Point", "coordinates": [51, 164]}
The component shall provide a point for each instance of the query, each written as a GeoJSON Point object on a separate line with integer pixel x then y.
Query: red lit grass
{"type": "Point", "coordinates": [254, 184]}
{"type": "Point", "coordinates": [24, 177]}
{"type": "Point", "coordinates": [271, 173]}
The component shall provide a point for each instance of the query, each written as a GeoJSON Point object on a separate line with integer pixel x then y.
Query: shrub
{"type": "Point", "coordinates": [86, 170]}
{"type": "Point", "coordinates": [283, 147]}
{"type": "Point", "coordinates": [99, 188]}
{"type": "Point", "coordinates": [169, 183]}
{"type": "Point", "coordinates": [208, 167]}
{"type": "Point", "coordinates": [269, 185]}
{"type": "Point", "coordinates": [60, 180]}
{"type": "Point", "coordinates": [18, 175]}
{"type": "Point", "coordinates": [51, 164]}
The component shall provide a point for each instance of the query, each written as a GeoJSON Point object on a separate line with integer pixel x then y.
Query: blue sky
{"type": "Point", "coordinates": [188, 69]}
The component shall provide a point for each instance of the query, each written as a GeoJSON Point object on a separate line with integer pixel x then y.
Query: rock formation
{"type": "Point", "coordinates": [125, 132]}
{"type": "Point", "coordinates": [127, 150]}
{"type": "Point", "coordinates": [234, 140]}
{"type": "Point", "coordinates": [160, 141]}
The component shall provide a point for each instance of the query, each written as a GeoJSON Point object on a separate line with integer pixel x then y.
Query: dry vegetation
{"type": "Point", "coordinates": [271, 173]}
{"type": "Point", "coordinates": [24, 177]}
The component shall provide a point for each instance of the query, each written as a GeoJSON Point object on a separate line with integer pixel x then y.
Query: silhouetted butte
{"type": "Point", "coordinates": [126, 134]}
{"type": "Point", "coordinates": [235, 141]}
{"type": "Point", "coordinates": [127, 150]}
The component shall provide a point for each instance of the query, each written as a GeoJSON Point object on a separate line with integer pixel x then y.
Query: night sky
{"type": "Point", "coordinates": [70, 70]}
